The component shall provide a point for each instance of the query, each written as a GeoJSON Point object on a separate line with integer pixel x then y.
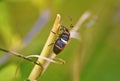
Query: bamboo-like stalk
{"type": "Point", "coordinates": [46, 52]}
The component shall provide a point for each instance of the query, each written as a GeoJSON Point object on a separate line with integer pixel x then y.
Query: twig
{"type": "Point", "coordinates": [46, 52]}
{"type": "Point", "coordinates": [74, 31]}
{"type": "Point", "coordinates": [76, 62]}
{"type": "Point", "coordinates": [81, 20]}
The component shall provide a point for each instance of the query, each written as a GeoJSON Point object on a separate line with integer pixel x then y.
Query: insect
{"type": "Point", "coordinates": [61, 41]}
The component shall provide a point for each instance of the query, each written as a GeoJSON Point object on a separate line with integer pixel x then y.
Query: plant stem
{"type": "Point", "coordinates": [46, 52]}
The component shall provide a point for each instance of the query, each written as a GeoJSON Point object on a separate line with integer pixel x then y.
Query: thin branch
{"type": "Point", "coordinates": [82, 19]}
{"type": "Point", "coordinates": [46, 52]}
{"type": "Point", "coordinates": [76, 62]}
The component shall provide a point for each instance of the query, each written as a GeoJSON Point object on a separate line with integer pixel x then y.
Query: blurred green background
{"type": "Point", "coordinates": [25, 26]}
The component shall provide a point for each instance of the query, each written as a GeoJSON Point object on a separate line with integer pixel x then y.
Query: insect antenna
{"type": "Point", "coordinates": [71, 25]}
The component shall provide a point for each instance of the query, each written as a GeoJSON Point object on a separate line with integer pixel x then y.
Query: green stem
{"type": "Point", "coordinates": [46, 52]}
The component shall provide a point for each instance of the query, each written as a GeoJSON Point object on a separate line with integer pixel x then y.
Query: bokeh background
{"type": "Point", "coordinates": [25, 26]}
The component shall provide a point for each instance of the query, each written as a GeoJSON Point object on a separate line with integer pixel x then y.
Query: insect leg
{"type": "Point", "coordinates": [55, 33]}
{"type": "Point", "coordinates": [51, 44]}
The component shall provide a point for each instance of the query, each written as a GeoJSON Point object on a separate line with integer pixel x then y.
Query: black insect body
{"type": "Point", "coordinates": [61, 42]}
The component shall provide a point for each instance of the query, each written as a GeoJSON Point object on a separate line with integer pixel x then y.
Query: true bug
{"type": "Point", "coordinates": [61, 41]}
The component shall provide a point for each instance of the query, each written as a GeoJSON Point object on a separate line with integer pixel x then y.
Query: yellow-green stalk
{"type": "Point", "coordinates": [46, 52]}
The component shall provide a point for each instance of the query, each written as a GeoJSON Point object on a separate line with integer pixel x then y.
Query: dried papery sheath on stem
{"type": "Point", "coordinates": [46, 52]}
